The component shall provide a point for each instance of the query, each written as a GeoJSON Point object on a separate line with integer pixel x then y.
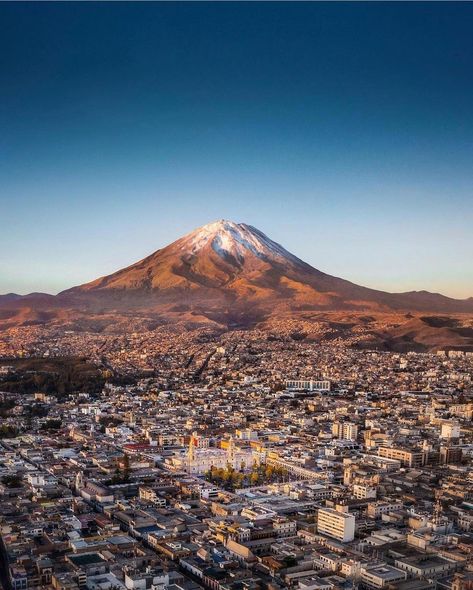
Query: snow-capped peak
{"type": "Point", "coordinates": [235, 239]}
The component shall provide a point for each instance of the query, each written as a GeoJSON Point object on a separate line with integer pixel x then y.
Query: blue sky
{"type": "Point", "coordinates": [342, 130]}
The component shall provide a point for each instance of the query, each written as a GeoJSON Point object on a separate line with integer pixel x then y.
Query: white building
{"type": "Point", "coordinates": [285, 527]}
{"type": "Point", "coordinates": [339, 525]}
{"type": "Point", "coordinates": [198, 461]}
{"type": "Point", "coordinates": [345, 430]}
{"type": "Point", "coordinates": [247, 434]}
{"type": "Point", "coordinates": [149, 578]}
{"type": "Point", "coordinates": [362, 492]}
{"type": "Point", "coordinates": [308, 385]}
{"type": "Point", "coordinates": [380, 576]}
{"type": "Point", "coordinates": [450, 430]}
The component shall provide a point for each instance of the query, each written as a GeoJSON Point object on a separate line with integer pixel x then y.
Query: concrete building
{"type": "Point", "coordinates": [338, 525]}
{"type": "Point", "coordinates": [377, 509]}
{"type": "Point", "coordinates": [345, 430]}
{"type": "Point", "coordinates": [408, 458]}
{"type": "Point", "coordinates": [381, 576]}
{"type": "Point", "coordinates": [308, 385]}
{"type": "Point", "coordinates": [362, 492]}
{"type": "Point", "coordinates": [450, 430]}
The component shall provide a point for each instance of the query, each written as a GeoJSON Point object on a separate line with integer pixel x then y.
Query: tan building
{"type": "Point", "coordinates": [377, 509]}
{"type": "Point", "coordinates": [408, 458]}
{"type": "Point", "coordinates": [345, 430]}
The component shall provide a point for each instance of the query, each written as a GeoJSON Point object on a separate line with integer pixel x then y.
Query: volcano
{"type": "Point", "coordinates": [230, 273]}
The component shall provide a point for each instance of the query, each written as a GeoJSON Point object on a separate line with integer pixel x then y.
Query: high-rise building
{"type": "Point", "coordinates": [345, 430]}
{"type": "Point", "coordinates": [338, 525]}
{"type": "Point", "coordinates": [450, 454]}
{"type": "Point", "coordinates": [450, 430]}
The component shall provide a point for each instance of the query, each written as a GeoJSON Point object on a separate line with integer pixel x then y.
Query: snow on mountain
{"type": "Point", "coordinates": [235, 239]}
{"type": "Point", "coordinates": [231, 274]}
{"type": "Point", "coordinates": [226, 266]}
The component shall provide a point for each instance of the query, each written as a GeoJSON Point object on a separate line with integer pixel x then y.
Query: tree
{"type": "Point", "coordinates": [11, 481]}
{"type": "Point", "coordinates": [110, 421]}
{"type": "Point", "coordinates": [238, 480]}
{"type": "Point", "coordinates": [290, 561]}
{"type": "Point", "coordinates": [7, 431]}
{"type": "Point", "coordinates": [38, 411]}
{"type": "Point", "coordinates": [5, 407]}
{"type": "Point", "coordinates": [52, 424]}
{"type": "Point", "coordinates": [254, 478]}
{"type": "Point", "coordinates": [228, 473]}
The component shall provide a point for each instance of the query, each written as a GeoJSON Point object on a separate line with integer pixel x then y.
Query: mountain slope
{"type": "Point", "coordinates": [225, 263]}
{"type": "Point", "coordinates": [210, 257]}
{"type": "Point", "coordinates": [223, 274]}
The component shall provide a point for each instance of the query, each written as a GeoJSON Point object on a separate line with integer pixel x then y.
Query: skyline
{"type": "Point", "coordinates": [342, 131]}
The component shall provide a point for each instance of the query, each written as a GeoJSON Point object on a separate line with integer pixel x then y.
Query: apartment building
{"type": "Point", "coordinates": [345, 430]}
{"type": "Point", "coordinates": [338, 525]}
{"type": "Point", "coordinates": [408, 458]}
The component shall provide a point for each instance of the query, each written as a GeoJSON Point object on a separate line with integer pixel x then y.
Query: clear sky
{"type": "Point", "coordinates": [343, 131]}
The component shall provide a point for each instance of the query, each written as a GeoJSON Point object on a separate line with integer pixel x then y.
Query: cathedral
{"type": "Point", "coordinates": [198, 460]}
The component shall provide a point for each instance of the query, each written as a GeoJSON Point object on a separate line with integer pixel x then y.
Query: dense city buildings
{"type": "Point", "coordinates": [233, 461]}
{"type": "Point", "coordinates": [187, 408]}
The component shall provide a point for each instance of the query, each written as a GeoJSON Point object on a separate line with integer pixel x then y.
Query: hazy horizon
{"type": "Point", "coordinates": [342, 131]}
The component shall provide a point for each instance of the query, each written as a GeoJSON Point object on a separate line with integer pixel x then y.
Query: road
{"type": "Point", "coordinates": [4, 577]}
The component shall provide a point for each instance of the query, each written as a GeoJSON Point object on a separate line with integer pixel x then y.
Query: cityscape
{"type": "Point", "coordinates": [236, 296]}
{"type": "Point", "coordinates": [241, 461]}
